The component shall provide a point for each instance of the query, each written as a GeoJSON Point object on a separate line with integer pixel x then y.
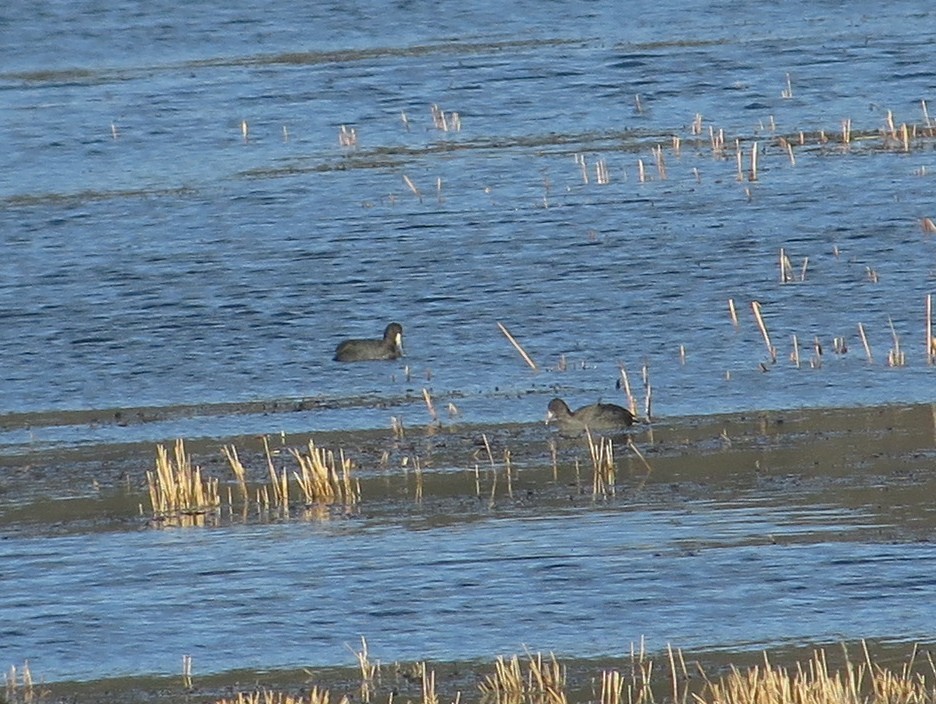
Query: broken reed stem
{"type": "Point", "coordinates": [756, 307]}
{"type": "Point", "coordinates": [895, 357]}
{"type": "Point", "coordinates": [432, 411]}
{"type": "Point", "coordinates": [513, 341]}
{"type": "Point", "coordinates": [412, 186]}
{"type": "Point", "coordinates": [240, 473]}
{"type": "Point", "coordinates": [631, 401]}
{"type": "Point", "coordinates": [864, 341]}
{"type": "Point", "coordinates": [795, 356]}
{"type": "Point", "coordinates": [752, 175]}
{"type": "Point", "coordinates": [733, 312]}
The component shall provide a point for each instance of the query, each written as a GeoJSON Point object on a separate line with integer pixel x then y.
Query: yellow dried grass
{"type": "Point", "coordinates": [175, 486]}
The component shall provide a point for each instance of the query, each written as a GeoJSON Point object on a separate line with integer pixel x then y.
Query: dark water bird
{"type": "Point", "coordinates": [390, 347]}
{"type": "Point", "coordinates": [597, 416]}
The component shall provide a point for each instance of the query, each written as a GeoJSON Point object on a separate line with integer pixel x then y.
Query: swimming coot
{"type": "Point", "coordinates": [598, 416]}
{"type": "Point", "coordinates": [390, 347]}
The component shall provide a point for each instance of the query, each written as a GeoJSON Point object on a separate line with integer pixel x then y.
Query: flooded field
{"type": "Point", "coordinates": [719, 533]}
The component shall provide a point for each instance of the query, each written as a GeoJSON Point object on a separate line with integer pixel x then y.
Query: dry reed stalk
{"type": "Point", "coordinates": [396, 427]}
{"type": "Point", "coordinates": [789, 148]}
{"type": "Point", "coordinates": [872, 275]}
{"type": "Point", "coordinates": [285, 134]}
{"type": "Point", "coordinates": [187, 671]}
{"type": "Point", "coordinates": [892, 131]}
{"type": "Point", "coordinates": [739, 159]}
{"type": "Point", "coordinates": [114, 133]}
{"type": "Point", "coordinates": [583, 165]}
{"type": "Point", "coordinates": [733, 312]}
{"type": "Point", "coordinates": [802, 275]}
{"type": "Point", "coordinates": [895, 356]}
{"type": "Point", "coordinates": [412, 186]}
{"type": "Point", "coordinates": [926, 117]}
{"type": "Point", "coordinates": [927, 225]}
{"type": "Point", "coordinates": [641, 172]}
{"type": "Point", "coordinates": [788, 91]}
{"type": "Point", "coordinates": [625, 382]}
{"type": "Point", "coordinates": [816, 360]}
{"type": "Point", "coordinates": [637, 106]}
{"type": "Point", "coordinates": [438, 118]}
{"type": "Point", "coordinates": [786, 268]}
{"type": "Point", "coordinates": [240, 474]}
{"type": "Point", "coordinates": [636, 451]}
{"type": "Point", "coordinates": [601, 172]}
{"type": "Point", "coordinates": [405, 120]}
{"type": "Point", "coordinates": [508, 470]}
{"type": "Point", "coordinates": [603, 469]}
{"type": "Point", "coordinates": [347, 136]}
{"type": "Point", "coordinates": [417, 469]}
{"type": "Point", "coordinates": [612, 687]}
{"type": "Point", "coordinates": [697, 124]}
{"type": "Point", "coordinates": [648, 392]}
{"type": "Point", "coordinates": [756, 307]}
{"type": "Point", "coordinates": [432, 411]}
{"type": "Point", "coordinates": [752, 174]}
{"type": "Point", "coordinates": [682, 355]}
{"type": "Point", "coordinates": [368, 671]}
{"type": "Point", "coordinates": [245, 131]}
{"type": "Point", "coordinates": [794, 355]}
{"type": "Point", "coordinates": [660, 162]}
{"type": "Point", "coordinates": [905, 137]}
{"type": "Point", "coordinates": [846, 131]}
{"type": "Point", "coordinates": [427, 677]}
{"type": "Point", "coordinates": [513, 341]}
{"type": "Point", "coordinates": [487, 447]}
{"type": "Point", "coordinates": [554, 457]}
{"type": "Point", "coordinates": [864, 342]}
{"type": "Point", "coordinates": [717, 140]}
{"type": "Point", "coordinates": [677, 145]}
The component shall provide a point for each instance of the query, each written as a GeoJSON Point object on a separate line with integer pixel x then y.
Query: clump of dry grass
{"type": "Point", "coordinates": [176, 487]}
{"type": "Point", "coordinates": [543, 683]}
{"type": "Point", "coordinates": [604, 470]}
{"type": "Point", "coordinates": [320, 480]}
{"type": "Point", "coordinates": [815, 683]}
{"type": "Point", "coordinates": [644, 680]}
{"type": "Point", "coordinates": [20, 686]}
{"type": "Point", "coordinates": [266, 696]}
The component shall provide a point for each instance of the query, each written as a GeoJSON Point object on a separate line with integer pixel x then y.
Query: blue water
{"type": "Point", "coordinates": [156, 257]}
{"type": "Point", "coordinates": [541, 582]}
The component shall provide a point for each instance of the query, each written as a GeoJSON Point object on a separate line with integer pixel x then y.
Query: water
{"type": "Point", "coordinates": [164, 276]}
{"type": "Point", "coordinates": [542, 582]}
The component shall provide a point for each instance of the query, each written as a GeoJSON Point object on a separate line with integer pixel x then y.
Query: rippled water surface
{"type": "Point", "coordinates": [185, 241]}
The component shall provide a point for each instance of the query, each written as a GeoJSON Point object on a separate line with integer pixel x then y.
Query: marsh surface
{"type": "Point", "coordinates": [185, 240]}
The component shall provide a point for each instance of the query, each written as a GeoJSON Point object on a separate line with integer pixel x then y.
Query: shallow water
{"type": "Point", "coordinates": [300, 594]}
{"type": "Point", "coordinates": [164, 276]}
